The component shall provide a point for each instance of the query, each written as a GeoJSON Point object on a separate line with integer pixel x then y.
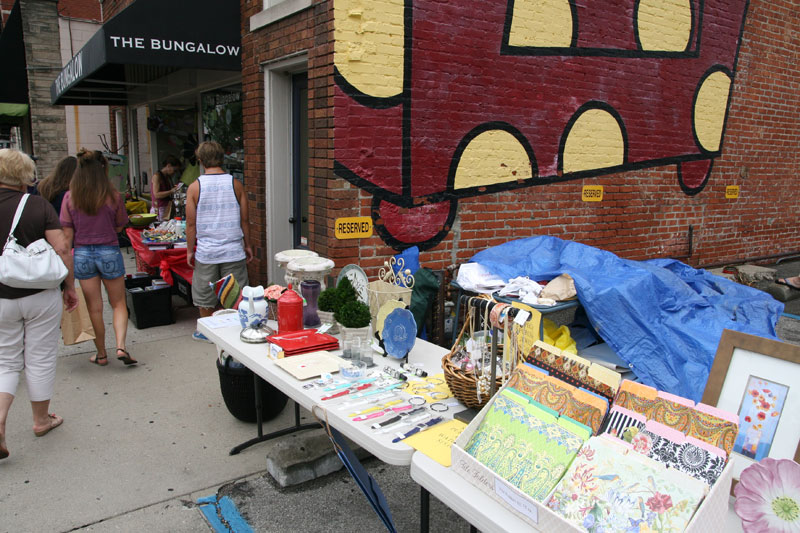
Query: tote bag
{"type": "Point", "coordinates": [36, 266]}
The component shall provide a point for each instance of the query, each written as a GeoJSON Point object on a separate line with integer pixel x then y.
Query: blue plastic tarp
{"type": "Point", "coordinates": [662, 317]}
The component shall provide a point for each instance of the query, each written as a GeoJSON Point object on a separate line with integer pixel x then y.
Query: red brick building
{"type": "Point", "coordinates": [457, 128]}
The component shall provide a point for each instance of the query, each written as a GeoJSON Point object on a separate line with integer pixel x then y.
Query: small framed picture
{"type": "Point", "coordinates": [759, 379]}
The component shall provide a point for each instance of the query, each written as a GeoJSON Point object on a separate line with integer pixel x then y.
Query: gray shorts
{"type": "Point", "coordinates": [202, 293]}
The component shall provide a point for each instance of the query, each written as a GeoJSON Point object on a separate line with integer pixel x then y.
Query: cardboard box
{"type": "Point", "coordinates": [711, 514]}
{"type": "Point", "coordinates": [148, 308]}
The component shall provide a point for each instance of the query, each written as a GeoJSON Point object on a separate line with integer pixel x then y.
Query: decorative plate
{"type": "Point", "coordinates": [359, 280]}
{"type": "Point", "coordinates": [399, 333]}
{"type": "Point", "coordinates": [383, 312]}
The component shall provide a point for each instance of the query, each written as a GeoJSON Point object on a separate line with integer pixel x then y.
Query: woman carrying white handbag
{"type": "Point", "coordinates": [30, 318]}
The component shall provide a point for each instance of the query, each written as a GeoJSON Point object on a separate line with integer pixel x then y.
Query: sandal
{"type": "Point", "coordinates": [99, 361]}
{"type": "Point", "coordinates": [3, 447]}
{"type": "Point", "coordinates": [55, 421]}
{"type": "Point", "coordinates": [126, 357]}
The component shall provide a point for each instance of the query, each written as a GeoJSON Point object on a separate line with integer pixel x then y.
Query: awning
{"type": "Point", "coordinates": [146, 41]}
{"type": "Point", "coordinates": [14, 87]}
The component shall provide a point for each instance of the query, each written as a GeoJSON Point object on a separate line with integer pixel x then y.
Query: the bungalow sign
{"type": "Point", "coordinates": [72, 72]}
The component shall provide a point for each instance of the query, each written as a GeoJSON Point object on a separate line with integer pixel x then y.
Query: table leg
{"type": "Point", "coordinates": [281, 432]}
{"type": "Point", "coordinates": [424, 509]}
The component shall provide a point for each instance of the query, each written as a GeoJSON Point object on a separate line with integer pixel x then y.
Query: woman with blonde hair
{"type": "Point", "coordinates": [30, 319]}
{"type": "Point", "coordinates": [56, 184]}
{"type": "Point", "coordinates": [93, 212]}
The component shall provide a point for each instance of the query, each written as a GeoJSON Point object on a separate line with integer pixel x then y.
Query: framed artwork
{"type": "Point", "coordinates": [759, 379]}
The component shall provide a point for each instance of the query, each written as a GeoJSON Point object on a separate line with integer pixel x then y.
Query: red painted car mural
{"type": "Point", "coordinates": [502, 95]}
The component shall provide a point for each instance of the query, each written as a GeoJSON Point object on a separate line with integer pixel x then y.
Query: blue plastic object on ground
{"type": "Point", "coordinates": [663, 317]}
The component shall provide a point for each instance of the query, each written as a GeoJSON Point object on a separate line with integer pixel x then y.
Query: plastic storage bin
{"type": "Point", "coordinates": [148, 308]}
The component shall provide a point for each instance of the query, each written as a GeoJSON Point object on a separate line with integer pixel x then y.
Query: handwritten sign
{"type": "Point", "coordinates": [436, 441]}
{"type": "Point", "coordinates": [515, 500]}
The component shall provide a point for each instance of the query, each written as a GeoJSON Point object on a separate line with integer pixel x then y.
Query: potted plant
{"type": "Point", "coordinates": [354, 318]}
{"type": "Point", "coordinates": [326, 305]}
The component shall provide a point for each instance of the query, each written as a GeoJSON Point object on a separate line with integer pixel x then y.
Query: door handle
{"type": "Point", "coordinates": [305, 219]}
{"type": "Point", "coordinates": [292, 220]}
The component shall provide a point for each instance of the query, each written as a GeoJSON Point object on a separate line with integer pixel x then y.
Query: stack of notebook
{"type": "Point", "coordinates": [303, 341]}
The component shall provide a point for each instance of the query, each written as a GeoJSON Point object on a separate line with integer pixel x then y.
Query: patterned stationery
{"type": "Point", "coordinates": [575, 370]}
{"type": "Point", "coordinates": [620, 419]}
{"type": "Point", "coordinates": [581, 406]}
{"type": "Point", "coordinates": [687, 454]}
{"type": "Point", "coordinates": [609, 488]}
{"type": "Point", "coordinates": [527, 446]}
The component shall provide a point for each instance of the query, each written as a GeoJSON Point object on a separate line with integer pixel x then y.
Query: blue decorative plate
{"type": "Point", "coordinates": [399, 333]}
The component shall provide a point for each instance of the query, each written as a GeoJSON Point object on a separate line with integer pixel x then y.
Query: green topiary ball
{"type": "Point", "coordinates": [345, 292]}
{"type": "Point", "coordinates": [328, 299]}
{"type": "Point", "coordinates": [353, 315]}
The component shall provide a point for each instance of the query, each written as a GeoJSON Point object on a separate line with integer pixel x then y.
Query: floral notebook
{"type": "Point", "coordinates": [610, 487]}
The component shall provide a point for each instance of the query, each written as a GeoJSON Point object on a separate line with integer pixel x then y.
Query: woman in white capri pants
{"type": "Point", "coordinates": [30, 318]}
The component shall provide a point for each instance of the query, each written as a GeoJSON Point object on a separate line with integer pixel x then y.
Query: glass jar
{"type": "Point", "coordinates": [310, 290]}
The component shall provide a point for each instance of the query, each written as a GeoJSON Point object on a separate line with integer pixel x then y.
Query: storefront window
{"type": "Point", "coordinates": [222, 122]}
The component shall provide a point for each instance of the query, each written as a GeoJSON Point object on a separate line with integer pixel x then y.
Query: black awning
{"type": "Point", "coordinates": [147, 40]}
{"type": "Point", "coordinates": [14, 87]}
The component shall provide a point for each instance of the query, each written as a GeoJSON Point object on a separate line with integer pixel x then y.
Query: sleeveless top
{"type": "Point", "coordinates": [166, 184]}
{"type": "Point", "coordinates": [219, 228]}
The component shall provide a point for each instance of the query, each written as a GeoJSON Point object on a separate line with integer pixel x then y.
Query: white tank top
{"type": "Point", "coordinates": [219, 228]}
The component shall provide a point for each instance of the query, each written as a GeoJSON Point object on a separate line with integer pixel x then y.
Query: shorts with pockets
{"type": "Point", "coordinates": [98, 260]}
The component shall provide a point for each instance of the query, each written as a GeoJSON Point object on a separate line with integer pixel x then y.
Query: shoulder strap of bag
{"type": "Point", "coordinates": [17, 215]}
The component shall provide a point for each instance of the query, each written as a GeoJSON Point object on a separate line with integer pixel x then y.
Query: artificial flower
{"type": "Point", "coordinates": [768, 497]}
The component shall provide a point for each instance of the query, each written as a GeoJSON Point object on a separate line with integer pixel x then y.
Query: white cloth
{"type": "Point", "coordinates": [525, 289]}
{"type": "Point", "coordinates": [219, 223]}
{"type": "Point", "coordinates": [36, 318]}
{"type": "Point", "coordinates": [475, 278]}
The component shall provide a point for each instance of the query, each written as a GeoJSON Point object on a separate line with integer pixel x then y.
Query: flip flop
{"type": "Point", "coordinates": [55, 421]}
{"type": "Point", "coordinates": [3, 449]}
{"type": "Point", "coordinates": [126, 357]}
{"type": "Point", "coordinates": [782, 281]}
{"type": "Point", "coordinates": [99, 361]}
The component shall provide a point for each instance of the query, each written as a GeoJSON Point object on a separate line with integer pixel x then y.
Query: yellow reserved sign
{"type": "Point", "coordinates": [592, 193]}
{"type": "Point", "coordinates": [353, 228]}
{"type": "Point", "coordinates": [732, 192]}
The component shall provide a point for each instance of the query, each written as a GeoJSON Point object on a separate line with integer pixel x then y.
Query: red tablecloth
{"type": "Point", "coordinates": [167, 261]}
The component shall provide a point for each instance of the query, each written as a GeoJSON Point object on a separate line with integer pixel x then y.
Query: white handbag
{"type": "Point", "coordinates": [36, 267]}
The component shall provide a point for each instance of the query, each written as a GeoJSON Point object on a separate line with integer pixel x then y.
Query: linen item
{"type": "Point", "coordinates": [527, 446]}
{"type": "Point", "coordinates": [608, 488]}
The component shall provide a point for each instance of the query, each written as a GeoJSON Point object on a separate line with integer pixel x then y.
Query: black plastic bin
{"type": "Point", "coordinates": [148, 308]}
{"type": "Point", "coordinates": [238, 391]}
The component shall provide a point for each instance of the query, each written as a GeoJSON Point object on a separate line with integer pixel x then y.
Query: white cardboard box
{"type": "Point", "coordinates": [710, 516]}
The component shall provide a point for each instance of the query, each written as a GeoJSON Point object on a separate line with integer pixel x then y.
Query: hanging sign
{"type": "Point", "coordinates": [732, 192]}
{"type": "Point", "coordinates": [592, 193]}
{"type": "Point", "coordinates": [353, 228]}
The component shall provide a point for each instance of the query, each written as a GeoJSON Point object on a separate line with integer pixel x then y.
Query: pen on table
{"type": "Point", "coordinates": [417, 429]}
{"type": "Point", "coordinates": [346, 391]}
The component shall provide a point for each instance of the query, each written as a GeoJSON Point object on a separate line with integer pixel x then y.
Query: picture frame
{"type": "Point", "coordinates": [755, 377]}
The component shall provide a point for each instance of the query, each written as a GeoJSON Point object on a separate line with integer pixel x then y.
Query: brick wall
{"type": "Point", "coordinates": [80, 9]}
{"type": "Point", "coordinates": [644, 214]}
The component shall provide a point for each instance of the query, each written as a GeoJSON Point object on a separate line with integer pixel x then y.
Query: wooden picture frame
{"type": "Point", "coordinates": [741, 358]}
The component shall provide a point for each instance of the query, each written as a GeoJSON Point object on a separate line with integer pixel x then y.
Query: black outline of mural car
{"type": "Point", "coordinates": [649, 125]}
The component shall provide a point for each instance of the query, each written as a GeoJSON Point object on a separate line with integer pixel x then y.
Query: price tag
{"type": "Point", "coordinates": [522, 317]}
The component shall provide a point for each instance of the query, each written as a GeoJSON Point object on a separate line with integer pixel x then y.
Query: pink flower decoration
{"type": "Point", "coordinates": [659, 503]}
{"type": "Point", "coordinates": [768, 497]}
{"type": "Point", "coordinates": [641, 443]}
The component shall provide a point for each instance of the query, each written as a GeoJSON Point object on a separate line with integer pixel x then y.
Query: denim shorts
{"type": "Point", "coordinates": [98, 260]}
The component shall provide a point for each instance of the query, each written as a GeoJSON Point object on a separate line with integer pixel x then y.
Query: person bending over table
{"type": "Point", "coordinates": [216, 223]}
{"type": "Point", "coordinates": [161, 187]}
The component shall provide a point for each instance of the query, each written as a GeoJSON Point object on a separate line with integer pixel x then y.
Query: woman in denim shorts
{"type": "Point", "coordinates": [92, 214]}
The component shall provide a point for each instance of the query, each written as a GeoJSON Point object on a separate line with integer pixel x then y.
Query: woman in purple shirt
{"type": "Point", "coordinates": [92, 214]}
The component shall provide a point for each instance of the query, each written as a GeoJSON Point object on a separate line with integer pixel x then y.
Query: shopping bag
{"type": "Point", "coordinates": [75, 325]}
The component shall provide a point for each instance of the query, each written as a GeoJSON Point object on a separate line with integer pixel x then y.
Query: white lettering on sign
{"type": "Point", "coordinates": [516, 501]}
{"type": "Point", "coordinates": [170, 45]}
{"type": "Point", "coordinates": [70, 73]}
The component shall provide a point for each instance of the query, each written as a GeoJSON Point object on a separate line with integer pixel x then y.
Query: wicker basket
{"type": "Point", "coordinates": [389, 286]}
{"type": "Point", "coordinates": [464, 385]}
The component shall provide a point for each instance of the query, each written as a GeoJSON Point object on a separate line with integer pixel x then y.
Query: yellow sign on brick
{"type": "Point", "coordinates": [732, 192]}
{"type": "Point", "coordinates": [592, 193]}
{"type": "Point", "coordinates": [353, 228]}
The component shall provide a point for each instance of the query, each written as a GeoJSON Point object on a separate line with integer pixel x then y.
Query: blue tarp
{"type": "Point", "coordinates": [663, 317]}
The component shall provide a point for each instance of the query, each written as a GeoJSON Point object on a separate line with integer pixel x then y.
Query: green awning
{"type": "Point", "coordinates": [13, 110]}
